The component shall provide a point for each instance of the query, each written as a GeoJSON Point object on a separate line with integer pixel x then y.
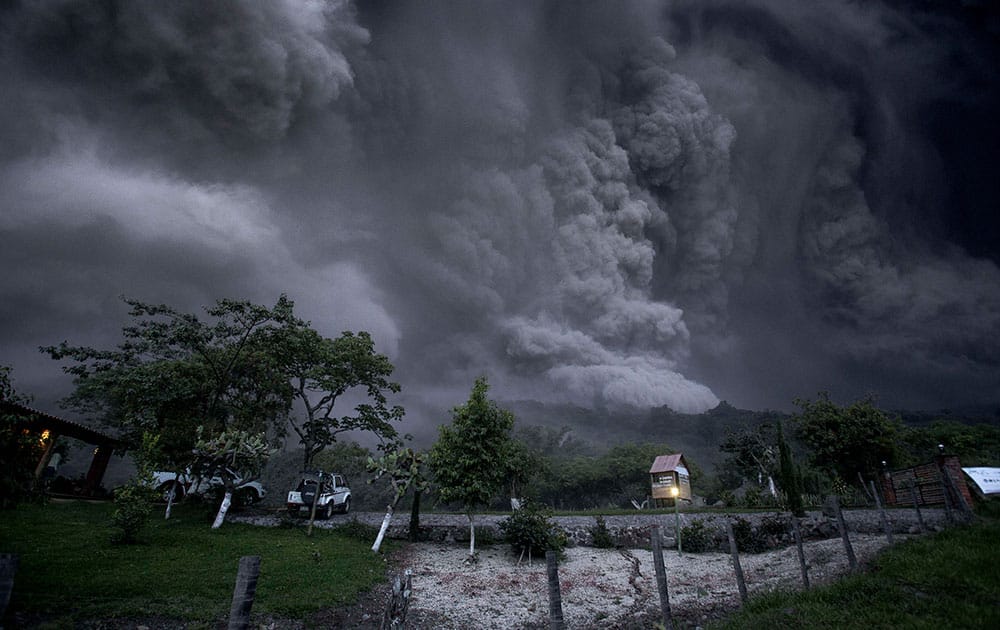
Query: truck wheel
{"type": "Point", "coordinates": [344, 509]}
{"type": "Point", "coordinates": [326, 512]}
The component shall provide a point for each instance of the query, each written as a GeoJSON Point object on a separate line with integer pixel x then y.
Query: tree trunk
{"type": "Point", "coordinates": [170, 501]}
{"type": "Point", "coordinates": [227, 500]}
{"type": "Point", "coordinates": [770, 486]}
{"type": "Point", "coordinates": [472, 537]}
{"type": "Point", "coordinates": [385, 527]}
{"type": "Point", "coordinates": [415, 517]}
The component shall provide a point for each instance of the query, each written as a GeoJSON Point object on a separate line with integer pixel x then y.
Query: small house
{"type": "Point", "coordinates": [670, 480]}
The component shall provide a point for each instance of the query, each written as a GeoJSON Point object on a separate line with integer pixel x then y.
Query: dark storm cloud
{"type": "Point", "coordinates": [622, 204]}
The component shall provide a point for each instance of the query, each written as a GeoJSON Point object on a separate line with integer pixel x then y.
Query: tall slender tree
{"type": "Point", "coordinates": [470, 459]}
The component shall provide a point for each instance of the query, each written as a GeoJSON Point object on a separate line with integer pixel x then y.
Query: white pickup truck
{"type": "Point", "coordinates": [188, 483]}
{"type": "Point", "coordinates": [334, 494]}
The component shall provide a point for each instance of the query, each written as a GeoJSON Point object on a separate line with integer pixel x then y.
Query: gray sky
{"type": "Point", "coordinates": [615, 204]}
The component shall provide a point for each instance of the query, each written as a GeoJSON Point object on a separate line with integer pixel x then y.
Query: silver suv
{"type": "Point", "coordinates": [328, 490]}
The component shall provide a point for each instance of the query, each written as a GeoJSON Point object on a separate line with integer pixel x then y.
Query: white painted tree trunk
{"type": "Point", "coordinates": [472, 537]}
{"type": "Point", "coordinates": [170, 501]}
{"type": "Point", "coordinates": [227, 499]}
{"type": "Point", "coordinates": [389, 509]}
{"type": "Point", "coordinates": [770, 486]}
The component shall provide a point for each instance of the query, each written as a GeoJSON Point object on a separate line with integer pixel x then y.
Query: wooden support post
{"type": "Point", "coordinates": [736, 561]}
{"type": "Point", "coordinates": [953, 490]}
{"type": "Point", "coordinates": [555, 598]}
{"type": "Point", "coordinates": [395, 612]}
{"type": "Point", "coordinates": [916, 506]}
{"type": "Point", "coordinates": [886, 525]}
{"type": "Point", "coordinates": [661, 578]}
{"type": "Point", "coordinates": [842, 525]}
{"type": "Point", "coordinates": [243, 594]}
{"type": "Point", "coordinates": [8, 567]}
{"type": "Point", "coordinates": [802, 554]}
{"type": "Point", "coordinates": [948, 512]}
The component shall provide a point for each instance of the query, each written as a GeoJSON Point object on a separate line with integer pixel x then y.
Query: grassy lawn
{"type": "Point", "coordinates": [949, 580]}
{"type": "Point", "coordinates": [181, 568]}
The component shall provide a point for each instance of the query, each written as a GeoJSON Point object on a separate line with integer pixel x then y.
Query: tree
{"type": "Point", "coordinates": [846, 441]}
{"type": "Point", "coordinates": [322, 370]}
{"type": "Point", "coordinates": [752, 454]}
{"type": "Point", "coordinates": [788, 476]}
{"type": "Point", "coordinates": [19, 451]}
{"type": "Point", "coordinates": [469, 460]}
{"type": "Point", "coordinates": [174, 372]}
{"type": "Point", "coordinates": [404, 467]}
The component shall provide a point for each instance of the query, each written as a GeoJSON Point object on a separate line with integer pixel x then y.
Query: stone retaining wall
{"type": "Point", "coordinates": [632, 531]}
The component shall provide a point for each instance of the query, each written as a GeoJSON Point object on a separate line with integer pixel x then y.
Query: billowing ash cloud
{"type": "Point", "coordinates": [620, 205]}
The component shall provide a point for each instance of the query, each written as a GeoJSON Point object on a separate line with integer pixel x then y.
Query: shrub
{"type": "Point", "coordinates": [697, 537]}
{"type": "Point", "coordinates": [773, 527]}
{"type": "Point", "coordinates": [750, 539]}
{"type": "Point", "coordinates": [599, 535]}
{"type": "Point", "coordinates": [134, 501]}
{"type": "Point", "coordinates": [133, 505]}
{"type": "Point", "coordinates": [528, 530]}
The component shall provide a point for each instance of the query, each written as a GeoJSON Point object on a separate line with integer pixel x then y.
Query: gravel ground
{"type": "Point", "coordinates": [602, 588]}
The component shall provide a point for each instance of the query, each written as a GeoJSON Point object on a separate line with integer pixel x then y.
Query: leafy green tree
{"type": "Point", "coordinates": [322, 370]}
{"type": "Point", "coordinates": [974, 444]}
{"type": "Point", "coordinates": [752, 454]}
{"type": "Point", "coordinates": [470, 458]}
{"type": "Point", "coordinates": [19, 451]}
{"type": "Point", "coordinates": [404, 468]}
{"type": "Point", "coordinates": [846, 441]}
{"type": "Point", "coordinates": [788, 476]}
{"type": "Point", "coordinates": [174, 372]}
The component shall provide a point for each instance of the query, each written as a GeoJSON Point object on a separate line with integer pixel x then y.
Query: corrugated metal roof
{"type": "Point", "coordinates": [36, 419]}
{"type": "Point", "coordinates": [667, 463]}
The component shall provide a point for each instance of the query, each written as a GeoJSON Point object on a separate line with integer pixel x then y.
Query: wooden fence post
{"type": "Point", "coordinates": [243, 594]}
{"type": "Point", "coordinates": [661, 578]}
{"type": "Point", "coordinates": [736, 561]}
{"type": "Point", "coordinates": [802, 554]}
{"type": "Point", "coordinates": [8, 567]}
{"type": "Point", "coordinates": [395, 613]}
{"type": "Point", "coordinates": [886, 525]}
{"type": "Point", "coordinates": [555, 598]}
{"type": "Point", "coordinates": [916, 506]}
{"type": "Point", "coordinates": [842, 525]}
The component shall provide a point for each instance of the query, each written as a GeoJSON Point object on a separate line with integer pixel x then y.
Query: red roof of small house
{"type": "Point", "coordinates": [667, 463]}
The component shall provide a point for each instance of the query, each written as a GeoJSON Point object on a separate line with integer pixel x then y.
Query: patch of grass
{"type": "Point", "coordinates": [180, 568]}
{"type": "Point", "coordinates": [949, 580]}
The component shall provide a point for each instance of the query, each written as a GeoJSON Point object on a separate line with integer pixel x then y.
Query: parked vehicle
{"type": "Point", "coordinates": [329, 491]}
{"type": "Point", "coordinates": [247, 492]}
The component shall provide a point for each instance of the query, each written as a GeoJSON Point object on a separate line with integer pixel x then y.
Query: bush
{"type": "Point", "coordinates": [134, 501]}
{"type": "Point", "coordinates": [599, 535]}
{"type": "Point", "coordinates": [133, 505]}
{"type": "Point", "coordinates": [528, 530]}
{"type": "Point", "coordinates": [750, 539]}
{"type": "Point", "coordinates": [697, 537]}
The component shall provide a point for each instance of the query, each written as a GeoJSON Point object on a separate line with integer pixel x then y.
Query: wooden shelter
{"type": "Point", "coordinates": [50, 428]}
{"type": "Point", "coordinates": [670, 479]}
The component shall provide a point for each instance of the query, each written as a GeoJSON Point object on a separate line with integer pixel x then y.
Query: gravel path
{"type": "Point", "coordinates": [602, 588]}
